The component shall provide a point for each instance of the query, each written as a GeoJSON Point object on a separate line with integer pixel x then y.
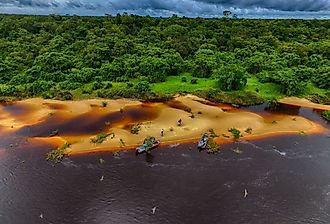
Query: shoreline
{"type": "Point", "coordinates": [302, 102]}
{"type": "Point", "coordinates": [77, 121]}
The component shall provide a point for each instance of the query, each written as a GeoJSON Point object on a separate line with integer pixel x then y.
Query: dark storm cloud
{"type": "Point", "coordinates": [50, 4]}
{"type": "Point", "coordinates": [191, 8]}
{"type": "Point", "coordinates": [281, 5]}
{"type": "Point", "coordinates": [30, 3]}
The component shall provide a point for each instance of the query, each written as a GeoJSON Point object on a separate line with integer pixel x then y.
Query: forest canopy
{"type": "Point", "coordinates": [52, 56]}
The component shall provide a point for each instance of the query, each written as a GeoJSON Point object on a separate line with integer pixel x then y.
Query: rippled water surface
{"type": "Point", "coordinates": [287, 180]}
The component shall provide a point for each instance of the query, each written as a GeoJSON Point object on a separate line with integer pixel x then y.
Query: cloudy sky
{"type": "Point", "coordinates": [190, 8]}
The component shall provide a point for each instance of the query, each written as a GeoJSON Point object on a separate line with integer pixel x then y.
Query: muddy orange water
{"type": "Point", "coordinates": [76, 122]}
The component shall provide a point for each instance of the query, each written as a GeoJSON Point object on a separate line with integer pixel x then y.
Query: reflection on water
{"type": "Point", "coordinates": [149, 158]}
{"type": "Point", "coordinates": [17, 110]}
{"type": "Point", "coordinates": [92, 122]}
{"type": "Point", "coordinates": [309, 113]}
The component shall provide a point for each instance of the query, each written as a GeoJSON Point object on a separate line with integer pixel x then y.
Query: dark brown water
{"type": "Point", "coordinates": [92, 122]}
{"type": "Point", "coordinates": [287, 179]}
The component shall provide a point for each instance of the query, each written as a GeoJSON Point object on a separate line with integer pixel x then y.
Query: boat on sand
{"type": "Point", "coordinates": [148, 144]}
{"type": "Point", "coordinates": [203, 142]}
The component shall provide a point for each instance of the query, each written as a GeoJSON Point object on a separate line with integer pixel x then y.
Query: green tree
{"type": "Point", "coordinates": [142, 87]}
{"type": "Point", "coordinates": [54, 61]}
{"type": "Point", "coordinates": [155, 69]}
{"type": "Point", "coordinates": [231, 77]}
{"type": "Point", "coordinates": [204, 63]}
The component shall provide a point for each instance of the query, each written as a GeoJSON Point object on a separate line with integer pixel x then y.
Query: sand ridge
{"type": "Point", "coordinates": [200, 118]}
{"type": "Point", "coordinates": [301, 102]}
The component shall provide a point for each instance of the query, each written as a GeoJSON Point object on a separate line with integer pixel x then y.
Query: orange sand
{"type": "Point", "coordinates": [295, 101]}
{"type": "Point", "coordinates": [210, 117]}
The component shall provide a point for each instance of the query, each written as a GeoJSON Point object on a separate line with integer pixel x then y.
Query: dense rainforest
{"type": "Point", "coordinates": [127, 55]}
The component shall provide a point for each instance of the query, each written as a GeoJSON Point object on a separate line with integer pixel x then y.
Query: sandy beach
{"type": "Point", "coordinates": [295, 101]}
{"type": "Point", "coordinates": [79, 121]}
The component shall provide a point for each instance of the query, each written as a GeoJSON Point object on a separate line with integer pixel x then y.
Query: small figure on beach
{"type": "Point", "coordinates": [179, 122]}
{"type": "Point", "coordinates": [162, 132]}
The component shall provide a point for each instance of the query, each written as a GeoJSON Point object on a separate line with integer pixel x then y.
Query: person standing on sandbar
{"type": "Point", "coordinates": [179, 122]}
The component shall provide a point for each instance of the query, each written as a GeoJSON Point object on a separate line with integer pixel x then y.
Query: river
{"type": "Point", "coordinates": [287, 180]}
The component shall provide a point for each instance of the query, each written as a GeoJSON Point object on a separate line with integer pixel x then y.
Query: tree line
{"type": "Point", "coordinates": [53, 55]}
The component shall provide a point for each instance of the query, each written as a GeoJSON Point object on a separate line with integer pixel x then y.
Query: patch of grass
{"type": "Point", "coordinates": [236, 98]}
{"type": "Point", "coordinates": [320, 99]}
{"type": "Point", "coordinates": [104, 104]}
{"type": "Point", "coordinates": [135, 129]}
{"type": "Point", "coordinates": [213, 134]}
{"type": "Point", "coordinates": [174, 84]}
{"type": "Point", "coordinates": [8, 99]}
{"type": "Point", "coordinates": [265, 90]}
{"type": "Point", "coordinates": [57, 155]}
{"type": "Point", "coordinates": [273, 91]}
{"type": "Point", "coordinates": [236, 133]}
{"type": "Point", "coordinates": [212, 147]}
{"type": "Point", "coordinates": [98, 139]}
{"type": "Point", "coordinates": [311, 89]}
{"type": "Point", "coordinates": [248, 130]}
{"type": "Point", "coordinates": [194, 81]}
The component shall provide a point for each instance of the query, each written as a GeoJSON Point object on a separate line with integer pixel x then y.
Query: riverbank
{"type": "Point", "coordinates": [301, 102]}
{"type": "Point", "coordinates": [130, 121]}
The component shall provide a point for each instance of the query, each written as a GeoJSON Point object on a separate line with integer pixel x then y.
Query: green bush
{"type": "Point", "coordinates": [135, 129]}
{"type": "Point", "coordinates": [231, 78]}
{"type": "Point", "coordinates": [107, 85]}
{"type": "Point", "coordinates": [213, 134]}
{"type": "Point", "coordinates": [235, 132]}
{"type": "Point", "coordinates": [98, 139]}
{"type": "Point", "coordinates": [212, 147]}
{"type": "Point", "coordinates": [57, 155]}
{"type": "Point", "coordinates": [97, 85]}
{"type": "Point", "coordinates": [241, 98]}
{"type": "Point", "coordinates": [193, 81]}
{"type": "Point", "coordinates": [326, 115]}
{"type": "Point", "coordinates": [142, 87]}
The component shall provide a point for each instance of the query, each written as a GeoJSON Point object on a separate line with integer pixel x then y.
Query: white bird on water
{"type": "Point", "coordinates": [153, 210]}
{"type": "Point", "coordinates": [41, 216]}
{"type": "Point", "coordinates": [102, 178]}
{"type": "Point", "coordinates": [245, 193]}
